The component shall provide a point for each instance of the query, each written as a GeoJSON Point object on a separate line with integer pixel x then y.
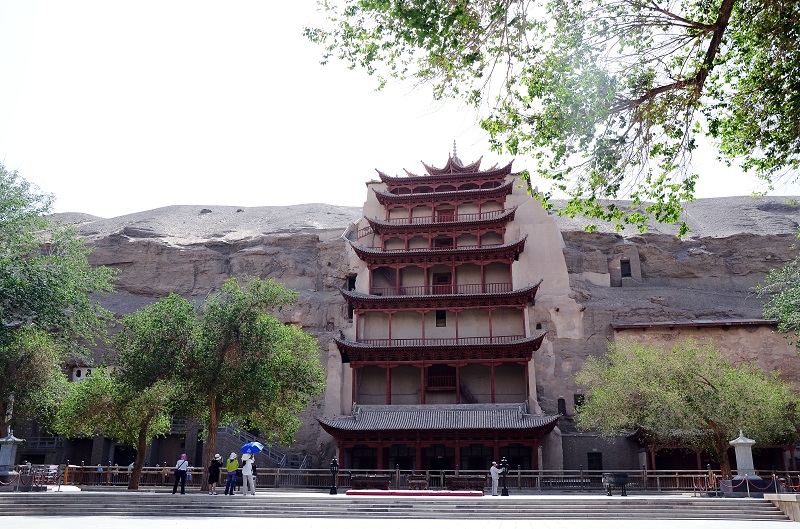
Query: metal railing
{"type": "Point", "coordinates": [429, 290]}
{"type": "Point", "coordinates": [531, 481]}
{"type": "Point", "coordinates": [278, 457]}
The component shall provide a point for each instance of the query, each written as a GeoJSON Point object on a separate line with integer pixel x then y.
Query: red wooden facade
{"type": "Point", "coordinates": [441, 302]}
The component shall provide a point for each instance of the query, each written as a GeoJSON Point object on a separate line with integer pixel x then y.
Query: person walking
{"type": "Point", "coordinates": [181, 466]}
{"type": "Point", "coordinates": [495, 472]}
{"type": "Point", "coordinates": [231, 467]}
{"type": "Point", "coordinates": [213, 474]}
{"type": "Point", "coordinates": [248, 482]}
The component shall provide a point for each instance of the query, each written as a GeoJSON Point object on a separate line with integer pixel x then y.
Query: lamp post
{"type": "Point", "coordinates": [334, 471]}
{"type": "Point", "coordinates": [504, 464]}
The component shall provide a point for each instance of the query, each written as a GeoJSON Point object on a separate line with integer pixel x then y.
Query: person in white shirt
{"type": "Point", "coordinates": [248, 482]}
{"type": "Point", "coordinates": [495, 471]}
{"type": "Point", "coordinates": [181, 466]}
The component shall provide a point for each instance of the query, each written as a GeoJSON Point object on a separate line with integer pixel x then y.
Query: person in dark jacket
{"type": "Point", "coordinates": [213, 474]}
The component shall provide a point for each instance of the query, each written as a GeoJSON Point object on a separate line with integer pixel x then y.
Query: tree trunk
{"type": "Point", "coordinates": [141, 449]}
{"type": "Point", "coordinates": [3, 424]}
{"type": "Point", "coordinates": [210, 447]}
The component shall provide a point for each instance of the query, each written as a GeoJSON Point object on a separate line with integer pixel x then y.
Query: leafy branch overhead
{"type": "Point", "coordinates": [607, 98]}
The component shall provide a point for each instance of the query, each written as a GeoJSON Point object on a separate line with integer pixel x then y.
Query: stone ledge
{"type": "Point", "coordinates": [788, 503]}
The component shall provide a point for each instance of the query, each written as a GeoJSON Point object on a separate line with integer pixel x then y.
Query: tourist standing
{"type": "Point", "coordinates": [213, 474]}
{"type": "Point", "coordinates": [495, 472]}
{"type": "Point", "coordinates": [248, 483]}
{"type": "Point", "coordinates": [231, 467]}
{"type": "Point", "coordinates": [181, 466]}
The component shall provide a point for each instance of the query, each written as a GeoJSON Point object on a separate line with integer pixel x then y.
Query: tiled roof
{"type": "Point", "coordinates": [440, 417]}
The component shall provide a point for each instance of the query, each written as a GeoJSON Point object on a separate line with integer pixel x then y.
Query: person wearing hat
{"type": "Point", "coordinates": [231, 466]}
{"type": "Point", "coordinates": [213, 474]}
{"type": "Point", "coordinates": [495, 472]}
{"type": "Point", "coordinates": [248, 482]}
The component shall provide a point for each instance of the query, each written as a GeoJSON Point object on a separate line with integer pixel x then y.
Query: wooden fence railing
{"type": "Point", "coordinates": [517, 479]}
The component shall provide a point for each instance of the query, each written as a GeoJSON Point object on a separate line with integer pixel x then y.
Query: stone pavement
{"type": "Point", "coordinates": [139, 522]}
{"type": "Point", "coordinates": [196, 522]}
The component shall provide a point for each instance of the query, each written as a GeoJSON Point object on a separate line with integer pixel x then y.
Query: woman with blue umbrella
{"type": "Point", "coordinates": [248, 465]}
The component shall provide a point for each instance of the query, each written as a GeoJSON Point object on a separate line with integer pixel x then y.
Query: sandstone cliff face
{"type": "Point", "coordinates": [191, 250]}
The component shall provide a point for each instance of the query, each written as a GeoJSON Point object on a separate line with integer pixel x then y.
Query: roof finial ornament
{"type": "Point", "coordinates": [454, 149]}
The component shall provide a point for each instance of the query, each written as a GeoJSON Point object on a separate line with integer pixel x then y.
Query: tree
{"type": "Point", "coordinates": [608, 98]}
{"type": "Point", "coordinates": [45, 304]}
{"type": "Point", "coordinates": [689, 396]}
{"type": "Point", "coordinates": [250, 367]}
{"type": "Point", "coordinates": [780, 293]}
{"type": "Point", "coordinates": [134, 402]}
{"type": "Point", "coordinates": [103, 404]}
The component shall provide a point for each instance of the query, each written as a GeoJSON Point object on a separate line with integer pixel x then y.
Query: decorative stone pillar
{"type": "Point", "coordinates": [8, 457]}
{"type": "Point", "coordinates": [744, 456]}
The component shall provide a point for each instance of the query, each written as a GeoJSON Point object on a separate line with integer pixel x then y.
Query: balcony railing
{"type": "Point", "coordinates": [649, 481]}
{"type": "Point", "coordinates": [449, 217]}
{"type": "Point", "coordinates": [474, 340]}
{"type": "Point", "coordinates": [476, 288]}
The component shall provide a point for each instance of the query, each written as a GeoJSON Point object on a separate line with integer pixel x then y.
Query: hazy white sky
{"type": "Point", "coordinates": [118, 106]}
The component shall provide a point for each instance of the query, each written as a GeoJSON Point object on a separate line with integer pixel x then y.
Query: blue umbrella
{"type": "Point", "coordinates": [252, 448]}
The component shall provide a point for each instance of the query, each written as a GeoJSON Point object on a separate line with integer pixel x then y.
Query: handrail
{"type": "Point", "coordinates": [448, 217]}
{"type": "Point", "coordinates": [473, 340]}
{"type": "Point", "coordinates": [696, 481]}
{"type": "Point", "coordinates": [276, 456]}
{"type": "Point", "coordinates": [433, 290]}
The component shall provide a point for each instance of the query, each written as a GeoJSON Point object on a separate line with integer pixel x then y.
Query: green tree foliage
{"type": "Point", "coordinates": [607, 98]}
{"type": "Point", "coordinates": [45, 304]}
{"type": "Point", "coordinates": [134, 401]}
{"type": "Point", "coordinates": [688, 396]}
{"type": "Point", "coordinates": [103, 404]}
{"type": "Point", "coordinates": [250, 367]}
{"type": "Point", "coordinates": [780, 294]}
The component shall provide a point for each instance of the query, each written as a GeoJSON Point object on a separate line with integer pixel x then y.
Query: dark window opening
{"type": "Point", "coordinates": [594, 461]}
{"type": "Point", "coordinates": [441, 378]}
{"type": "Point", "coordinates": [441, 318]}
{"type": "Point", "coordinates": [562, 406]}
{"type": "Point", "coordinates": [351, 282]}
{"type": "Point", "coordinates": [350, 312]}
{"type": "Point", "coordinates": [538, 326]}
{"type": "Point", "coordinates": [443, 242]}
{"type": "Point", "coordinates": [625, 267]}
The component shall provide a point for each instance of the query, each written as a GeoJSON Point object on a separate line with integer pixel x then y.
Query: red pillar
{"type": "Point", "coordinates": [397, 280]}
{"type": "Point", "coordinates": [491, 377]}
{"type": "Point", "coordinates": [458, 384]}
{"type": "Point", "coordinates": [422, 383]}
{"type": "Point", "coordinates": [353, 383]}
{"type": "Point", "coordinates": [388, 385]}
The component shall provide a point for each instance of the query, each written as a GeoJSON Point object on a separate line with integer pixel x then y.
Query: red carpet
{"type": "Point", "coordinates": [434, 493]}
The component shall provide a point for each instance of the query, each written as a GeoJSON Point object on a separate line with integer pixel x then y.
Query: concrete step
{"type": "Point", "coordinates": [277, 505]}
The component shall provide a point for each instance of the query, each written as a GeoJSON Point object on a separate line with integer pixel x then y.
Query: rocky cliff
{"type": "Point", "coordinates": [190, 250]}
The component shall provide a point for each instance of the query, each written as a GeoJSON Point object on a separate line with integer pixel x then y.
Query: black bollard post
{"type": "Point", "coordinates": [334, 471]}
{"type": "Point", "coordinates": [504, 465]}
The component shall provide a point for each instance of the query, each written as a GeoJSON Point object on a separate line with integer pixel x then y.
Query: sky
{"type": "Point", "coordinates": [118, 106]}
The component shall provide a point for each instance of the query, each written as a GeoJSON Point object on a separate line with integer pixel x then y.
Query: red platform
{"type": "Point", "coordinates": [429, 493]}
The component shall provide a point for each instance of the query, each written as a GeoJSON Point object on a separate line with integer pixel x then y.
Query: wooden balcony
{"type": "Point", "coordinates": [442, 290]}
{"type": "Point", "coordinates": [449, 216]}
{"type": "Point", "coordinates": [412, 342]}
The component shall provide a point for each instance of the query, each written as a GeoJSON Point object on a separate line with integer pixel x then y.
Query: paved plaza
{"type": "Point", "coordinates": [196, 522]}
{"type": "Point", "coordinates": [139, 522]}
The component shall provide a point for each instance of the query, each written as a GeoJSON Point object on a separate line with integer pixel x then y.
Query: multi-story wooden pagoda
{"type": "Point", "coordinates": [440, 350]}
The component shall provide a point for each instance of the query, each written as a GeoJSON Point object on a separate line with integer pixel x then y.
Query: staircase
{"type": "Point", "coordinates": [229, 439]}
{"type": "Point", "coordinates": [272, 504]}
